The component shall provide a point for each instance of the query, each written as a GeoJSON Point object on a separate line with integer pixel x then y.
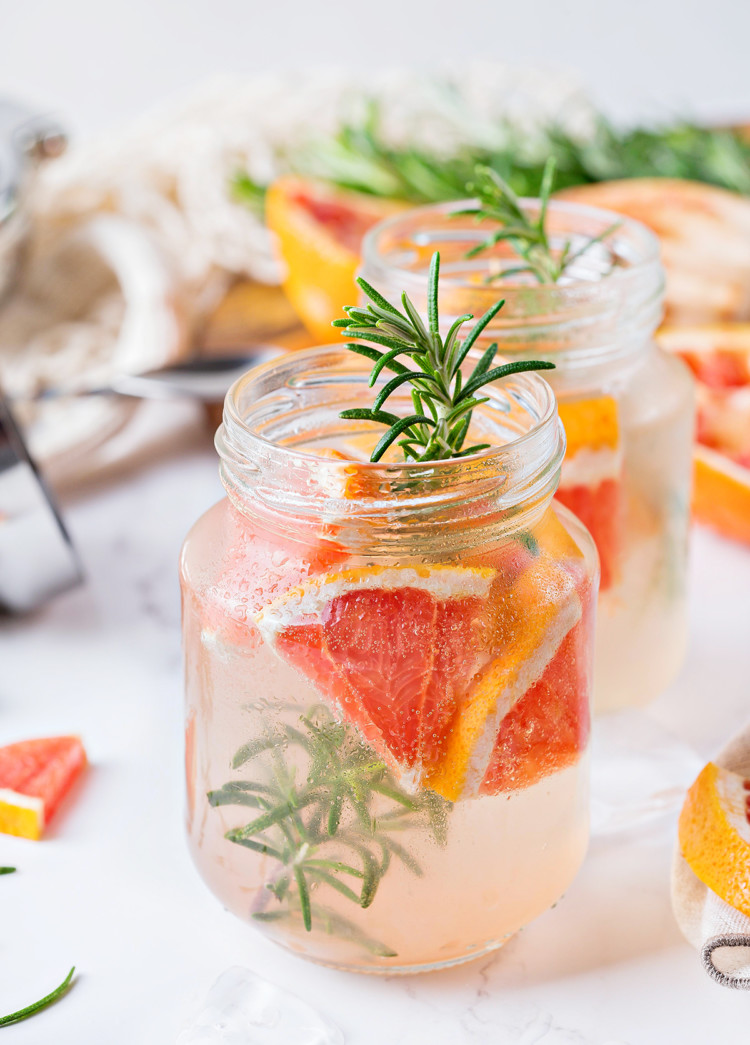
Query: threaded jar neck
{"type": "Point", "coordinates": [281, 422]}
{"type": "Point", "coordinates": [603, 311]}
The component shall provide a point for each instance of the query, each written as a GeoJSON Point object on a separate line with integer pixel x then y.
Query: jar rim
{"type": "Point", "coordinates": [641, 235]}
{"type": "Point", "coordinates": [295, 477]}
{"type": "Point", "coordinates": [582, 324]}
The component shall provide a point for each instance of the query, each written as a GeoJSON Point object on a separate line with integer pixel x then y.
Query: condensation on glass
{"type": "Point", "coordinates": [388, 675]}
{"type": "Point", "coordinates": [627, 408]}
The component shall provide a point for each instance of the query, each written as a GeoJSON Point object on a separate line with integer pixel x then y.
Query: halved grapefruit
{"type": "Point", "coordinates": [35, 775]}
{"type": "Point", "coordinates": [591, 477]}
{"type": "Point", "coordinates": [319, 231]}
{"type": "Point", "coordinates": [714, 834]}
{"type": "Point", "coordinates": [705, 240]}
{"type": "Point", "coordinates": [719, 356]}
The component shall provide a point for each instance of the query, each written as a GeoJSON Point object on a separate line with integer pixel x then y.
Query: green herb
{"type": "Point", "coordinates": [246, 190]}
{"type": "Point", "coordinates": [325, 833]}
{"type": "Point", "coordinates": [37, 1006]}
{"type": "Point", "coordinates": [525, 233]}
{"type": "Point", "coordinates": [360, 157]}
{"type": "Point", "coordinates": [7, 870]}
{"type": "Point", "coordinates": [442, 397]}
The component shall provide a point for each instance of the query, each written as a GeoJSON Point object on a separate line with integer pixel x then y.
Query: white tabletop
{"type": "Point", "coordinates": [112, 890]}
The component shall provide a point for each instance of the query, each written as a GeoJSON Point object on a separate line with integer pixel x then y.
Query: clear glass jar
{"type": "Point", "coordinates": [388, 674]}
{"type": "Point", "coordinates": [626, 405]}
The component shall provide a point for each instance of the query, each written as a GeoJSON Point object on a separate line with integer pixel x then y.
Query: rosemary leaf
{"type": "Point", "coordinates": [37, 1006]}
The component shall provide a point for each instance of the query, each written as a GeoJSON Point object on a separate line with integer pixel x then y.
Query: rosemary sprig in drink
{"type": "Point", "coordinates": [325, 832]}
{"type": "Point", "coordinates": [442, 396]}
{"type": "Point", "coordinates": [524, 232]}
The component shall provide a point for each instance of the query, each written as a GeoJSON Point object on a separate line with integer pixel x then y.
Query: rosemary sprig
{"type": "Point", "coordinates": [442, 397]}
{"type": "Point", "coordinates": [524, 232]}
{"type": "Point", "coordinates": [37, 1006]}
{"type": "Point", "coordinates": [331, 831]}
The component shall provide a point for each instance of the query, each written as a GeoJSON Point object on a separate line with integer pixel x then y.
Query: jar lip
{"type": "Point", "coordinates": [643, 239]}
{"type": "Point", "coordinates": [235, 425]}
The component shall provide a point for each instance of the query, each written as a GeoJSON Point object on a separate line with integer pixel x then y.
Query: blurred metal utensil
{"type": "Point", "coordinates": [204, 379]}
{"type": "Point", "coordinates": [37, 557]}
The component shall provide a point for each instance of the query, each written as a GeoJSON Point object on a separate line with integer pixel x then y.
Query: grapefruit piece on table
{"type": "Point", "coordinates": [319, 230]}
{"type": "Point", "coordinates": [393, 649]}
{"type": "Point", "coordinates": [591, 478]}
{"type": "Point", "coordinates": [35, 775]}
{"type": "Point", "coordinates": [714, 834]}
{"type": "Point", "coordinates": [719, 357]}
{"type": "Point", "coordinates": [535, 618]}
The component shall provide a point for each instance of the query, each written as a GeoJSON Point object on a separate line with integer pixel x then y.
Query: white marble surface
{"type": "Point", "coordinates": [112, 889]}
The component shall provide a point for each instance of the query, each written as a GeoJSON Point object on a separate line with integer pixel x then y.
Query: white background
{"type": "Point", "coordinates": [100, 62]}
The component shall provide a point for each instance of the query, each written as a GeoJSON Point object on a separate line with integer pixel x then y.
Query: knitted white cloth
{"type": "Point", "coordinates": [718, 931]}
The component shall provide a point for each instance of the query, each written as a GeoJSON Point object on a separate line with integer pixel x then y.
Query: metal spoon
{"type": "Point", "coordinates": [204, 379]}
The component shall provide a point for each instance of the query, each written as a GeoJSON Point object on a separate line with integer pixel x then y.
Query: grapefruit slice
{"type": "Point", "coordinates": [719, 356]}
{"type": "Point", "coordinates": [35, 775]}
{"type": "Point", "coordinates": [393, 649]}
{"type": "Point", "coordinates": [714, 834]}
{"type": "Point", "coordinates": [549, 727]}
{"type": "Point", "coordinates": [535, 617]}
{"type": "Point", "coordinates": [705, 241]}
{"type": "Point", "coordinates": [591, 478]}
{"type": "Point", "coordinates": [319, 230]}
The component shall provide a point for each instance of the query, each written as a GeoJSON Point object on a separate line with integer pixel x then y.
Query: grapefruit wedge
{"type": "Point", "coordinates": [35, 775]}
{"type": "Point", "coordinates": [393, 649]}
{"type": "Point", "coordinates": [319, 231]}
{"type": "Point", "coordinates": [714, 834]}
{"type": "Point", "coordinates": [719, 356]}
{"type": "Point", "coordinates": [531, 626]}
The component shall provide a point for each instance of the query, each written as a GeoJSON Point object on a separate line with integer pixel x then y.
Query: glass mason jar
{"type": "Point", "coordinates": [388, 674]}
{"type": "Point", "coordinates": [627, 408]}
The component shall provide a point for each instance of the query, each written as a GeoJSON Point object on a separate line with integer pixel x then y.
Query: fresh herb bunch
{"type": "Point", "coordinates": [442, 398]}
{"type": "Point", "coordinates": [325, 832]}
{"type": "Point", "coordinates": [525, 233]}
{"type": "Point", "coordinates": [359, 157]}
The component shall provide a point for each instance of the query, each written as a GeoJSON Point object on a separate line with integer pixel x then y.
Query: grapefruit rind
{"type": "Point", "coordinates": [551, 606]}
{"type": "Point", "coordinates": [21, 815]}
{"type": "Point", "coordinates": [309, 600]}
{"type": "Point", "coordinates": [714, 834]}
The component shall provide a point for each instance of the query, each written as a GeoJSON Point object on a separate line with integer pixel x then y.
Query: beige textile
{"type": "Point", "coordinates": [718, 931]}
{"type": "Point", "coordinates": [136, 237]}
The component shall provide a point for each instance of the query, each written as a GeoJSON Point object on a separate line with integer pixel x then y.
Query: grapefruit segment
{"type": "Point", "coordinates": [591, 478]}
{"type": "Point", "coordinates": [549, 726]}
{"type": "Point", "coordinates": [714, 834]}
{"type": "Point", "coordinates": [35, 775]}
{"type": "Point", "coordinates": [540, 610]}
{"type": "Point", "coordinates": [392, 648]}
